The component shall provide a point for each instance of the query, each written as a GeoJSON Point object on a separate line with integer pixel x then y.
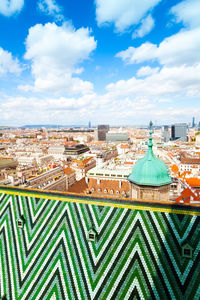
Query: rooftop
{"type": "Point", "coordinates": [150, 170]}
{"type": "Point", "coordinates": [109, 171]}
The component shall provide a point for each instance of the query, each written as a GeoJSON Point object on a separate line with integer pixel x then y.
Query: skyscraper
{"type": "Point", "coordinates": [100, 132]}
{"type": "Point", "coordinates": [193, 122]}
{"type": "Point", "coordinates": [179, 132]}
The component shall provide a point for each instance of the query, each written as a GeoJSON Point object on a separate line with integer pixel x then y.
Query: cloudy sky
{"type": "Point", "coordinates": [120, 62]}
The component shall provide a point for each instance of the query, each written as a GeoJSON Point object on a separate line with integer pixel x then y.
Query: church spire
{"type": "Point", "coordinates": [150, 144]}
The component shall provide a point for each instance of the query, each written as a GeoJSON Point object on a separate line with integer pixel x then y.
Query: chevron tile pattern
{"type": "Point", "coordinates": [137, 254]}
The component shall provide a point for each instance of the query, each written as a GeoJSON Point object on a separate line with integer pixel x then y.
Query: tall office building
{"type": "Point", "coordinates": [165, 133]}
{"type": "Point", "coordinates": [179, 132]}
{"type": "Point", "coordinates": [100, 132]}
{"type": "Point", "coordinates": [89, 124]}
{"type": "Point", "coordinates": [193, 122]}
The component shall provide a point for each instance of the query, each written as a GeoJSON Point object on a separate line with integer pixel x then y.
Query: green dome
{"type": "Point", "coordinates": [150, 170]}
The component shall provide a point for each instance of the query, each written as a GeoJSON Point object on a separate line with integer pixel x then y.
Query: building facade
{"type": "Point", "coordinates": [45, 178]}
{"type": "Point", "coordinates": [100, 132]}
{"type": "Point", "coordinates": [75, 150]}
{"type": "Point", "coordinates": [188, 163]}
{"type": "Point", "coordinates": [165, 133]}
{"type": "Point", "coordinates": [116, 137]}
{"type": "Point", "coordinates": [102, 181]}
{"type": "Point", "coordinates": [179, 132]}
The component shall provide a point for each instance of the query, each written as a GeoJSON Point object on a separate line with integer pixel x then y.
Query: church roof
{"type": "Point", "coordinates": [150, 170]}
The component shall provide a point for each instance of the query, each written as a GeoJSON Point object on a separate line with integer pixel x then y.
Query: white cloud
{"type": "Point", "coordinates": [146, 26]}
{"type": "Point", "coordinates": [8, 64]}
{"type": "Point", "coordinates": [145, 52]}
{"type": "Point", "coordinates": [176, 81]}
{"type": "Point", "coordinates": [34, 110]}
{"type": "Point", "coordinates": [125, 102]}
{"type": "Point", "coordinates": [170, 81]}
{"type": "Point", "coordinates": [123, 13]}
{"type": "Point", "coordinates": [50, 7]}
{"type": "Point", "coordinates": [146, 71]}
{"type": "Point", "coordinates": [10, 7]}
{"type": "Point", "coordinates": [187, 12]}
{"type": "Point", "coordinates": [181, 48]}
{"type": "Point", "coordinates": [59, 84]}
{"type": "Point", "coordinates": [55, 51]}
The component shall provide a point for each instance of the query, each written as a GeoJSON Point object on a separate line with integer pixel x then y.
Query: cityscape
{"type": "Point", "coordinates": [98, 160]}
{"type": "Point", "coordinates": [99, 150]}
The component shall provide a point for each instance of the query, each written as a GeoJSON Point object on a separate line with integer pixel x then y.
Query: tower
{"type": "Point", "coordinates": [149, 179]}
{"type": "Point", "coordinates": [193, 122]}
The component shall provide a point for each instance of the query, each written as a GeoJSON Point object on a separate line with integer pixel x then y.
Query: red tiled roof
{"type": "Point", "coordinates": [174, 168]}
{"type": "Point", "coordinates": [78, 187]}
{"type": "Point", "coordinates": [68, 171]}
{"type": "Point", "coordinates": [187, 195]}
{"type": "Point", "coordinates": [108, 185]}
{"type": "Point", "coordinates": [193, 181]}
{"type": "Point", "coordinates": [184, 173]}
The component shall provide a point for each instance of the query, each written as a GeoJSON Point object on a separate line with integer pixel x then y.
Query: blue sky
{"type": "Point", "coordinates": [119, 62]}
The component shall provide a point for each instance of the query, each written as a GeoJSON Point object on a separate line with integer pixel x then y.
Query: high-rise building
{"type": "Point", "coordinates": [179, 132]}
{"type": "Point", "coordinates": [165, 133]}
{"type": "Point", "coordinates": [100, 132]}
{"type": "Point", "coordinates": [193, 122]}
{"type": "Point", "coordinates": [89, 124]}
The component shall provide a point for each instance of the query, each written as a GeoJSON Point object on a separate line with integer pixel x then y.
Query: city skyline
{"type": "Point", "coordinates": [122, 62]}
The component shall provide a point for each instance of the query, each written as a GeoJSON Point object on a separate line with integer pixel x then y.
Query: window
{"type": "Point", "coordinates": [117, 192]}
{"type": "Point", "coordinates": [105, 191]}
{"type": "Point", "coordinates": [111, 191]}
{"type": "Point", "coordinates": [92, 235]}
{"type": "Point", "coordinates": [187, 251]}
{"type": "Point", "coordinates": [20, 223]}
{"type": "Point", "coordinates": [99, 190]}
{"type": "Point", "coordinates": [92, 190]}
